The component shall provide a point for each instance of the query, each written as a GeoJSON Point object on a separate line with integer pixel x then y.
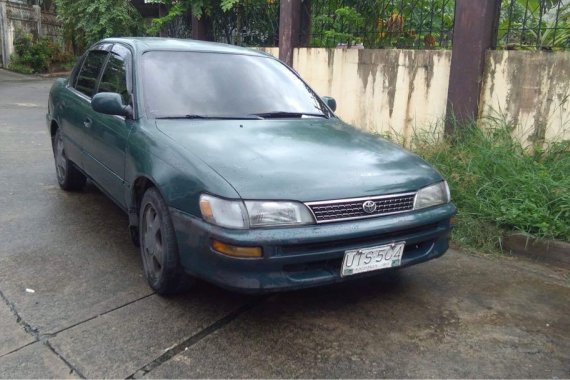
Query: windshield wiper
{"type": "Point", "coordinates": [286, 114]}
{"type": "Point", "coordinates": [206, 117]}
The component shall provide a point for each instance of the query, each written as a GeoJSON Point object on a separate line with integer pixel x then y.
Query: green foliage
{"type": "Point", "coordinates": [31, 56]}
{"type": "Point", "coordinates": [241, 22]}
{"type": "Point", "coordinates": [175, 11]}
{"type": "Point", "coordinates": [87, 21]}
{"type": "Point", "coordinates": [381, 23]}
{"type": "Point", "coordinates": [226, 5]}
{"type": "Point", "coordinates": [198, 8]}
{"type": "Point", "coordinates": [343, 26]}
{"type": "Point", "coordinates": [534, 24]}
{"type": "Point", "coordinates": [37, 55]}
{"type": "Point", "coordinates": [497, 184]}
{"type": "Point", "coordinates": [19, 68]}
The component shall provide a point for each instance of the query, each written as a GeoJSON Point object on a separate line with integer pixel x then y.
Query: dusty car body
{"type": "Point", "coordinates": [234, 171]}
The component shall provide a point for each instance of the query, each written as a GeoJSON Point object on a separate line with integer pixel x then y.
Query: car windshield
{"type": "Point", "coordinates": [217, 85]}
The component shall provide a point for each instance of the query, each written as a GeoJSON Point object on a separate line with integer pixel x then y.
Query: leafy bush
{"type": "Point", "coordinates": [37, 55]}
{"type": "Point", "coordinates": [19, 68]}
{"type": "Point", "coordinates": [499, 185]}
{"type": "Point", "coordinates": [31, 55]}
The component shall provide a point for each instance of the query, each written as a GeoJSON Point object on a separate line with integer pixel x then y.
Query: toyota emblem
{"type": "Point", "coordinates": [369, 207]}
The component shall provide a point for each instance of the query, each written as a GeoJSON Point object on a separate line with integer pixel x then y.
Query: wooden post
{"type": "Point", "coordinates": [202, 28]}
{"type": "Point", "coordinates": [162, 11]}
{"type": "Point", "coordinates": [475, 32]}
{"type": "Point", "coordinates": [289, 29]}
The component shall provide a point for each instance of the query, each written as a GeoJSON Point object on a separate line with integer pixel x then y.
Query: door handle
{"type": "Point", "coordinates": [87, 123]}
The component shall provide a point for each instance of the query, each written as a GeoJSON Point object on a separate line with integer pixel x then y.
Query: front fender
{"type": "Point", "coordinates": [180, 177]}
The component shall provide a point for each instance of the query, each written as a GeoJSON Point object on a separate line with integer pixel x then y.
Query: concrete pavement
{"type": "Point", "coordinates": [91, 314]}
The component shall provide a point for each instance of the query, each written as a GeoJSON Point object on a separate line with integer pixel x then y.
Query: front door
{"type": "Point", "coordinates": [105, 148]}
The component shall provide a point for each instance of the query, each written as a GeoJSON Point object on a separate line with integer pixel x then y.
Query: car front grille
{"type": "Point", "coordinates": [348, 209]}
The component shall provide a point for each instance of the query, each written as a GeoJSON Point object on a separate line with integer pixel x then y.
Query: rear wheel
{"type": "Point", "coordinates": [68, 177]}
{"type": "Point", "coordinates": [158, 246]}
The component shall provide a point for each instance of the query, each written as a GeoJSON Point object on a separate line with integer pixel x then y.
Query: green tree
{"type": "Point", "coordinates": [241, 22]}
{"type": "Point", "coordinates": [87, 21]}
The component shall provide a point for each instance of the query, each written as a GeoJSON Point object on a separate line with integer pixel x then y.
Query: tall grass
{"type": "Point", "coordinates": [498, 185]}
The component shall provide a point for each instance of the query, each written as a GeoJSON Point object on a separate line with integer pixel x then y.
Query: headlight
{"type": "Point", "coordinates": [238, 214]}
{"type": "Point", "coordinates": [432, 196]}
{"type": "Point", "coordinates": [267, 214]}
{"type": "Point", "coordinates": [223, 212]}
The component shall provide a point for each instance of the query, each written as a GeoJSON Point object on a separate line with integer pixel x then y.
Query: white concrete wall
{"type": "Point", "coordinates": [16, 16]}
{"type": "Point", "coordinates": [405, 91]}
{"type": "Point", "coordinates": [530, 90]}
{"type": "Point", "coordinates": [382, 91]}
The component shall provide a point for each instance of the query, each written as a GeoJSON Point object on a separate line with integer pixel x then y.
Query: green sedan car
{"type": "Point", "coordinates": [234, 171]}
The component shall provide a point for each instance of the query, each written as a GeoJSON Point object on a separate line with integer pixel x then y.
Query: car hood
{"type": "Point", "coordinates": [299, 159]}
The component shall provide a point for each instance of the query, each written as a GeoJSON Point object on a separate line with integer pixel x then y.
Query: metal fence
{"type": "Point", "coordinates": [417, 24]}
{"type": "Point", "coordinates": [178, 27]}
{"type": "Point", "coordinates": [409, 24]}
{"type": "Point", "coordinates": [250, 23]}
{"type": "Point", "coordinates": [534, 25]}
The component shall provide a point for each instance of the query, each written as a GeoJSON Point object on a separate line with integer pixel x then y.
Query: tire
{"type": "Point", "coordinates": [68, 177]}
{"type": "Point", "coordinates": [158, 246]}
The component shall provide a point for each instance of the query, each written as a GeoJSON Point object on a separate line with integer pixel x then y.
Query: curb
{"type": "Point", "coordinates": [554, 252]}
{"type": "Point", "coordinates": [61, 74]}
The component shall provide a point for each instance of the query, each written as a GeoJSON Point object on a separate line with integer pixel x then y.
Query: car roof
{"type": "Point", "coordinates": [143, 44]}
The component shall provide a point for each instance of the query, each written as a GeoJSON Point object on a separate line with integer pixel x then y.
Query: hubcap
{"type": "Point", "coordinates": [60, 160]}
{"type": "Point", "coordinates": [152, 243]}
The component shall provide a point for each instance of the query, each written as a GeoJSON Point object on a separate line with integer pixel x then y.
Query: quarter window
{"type": "Point", "coordinates": [87, 78]}
{"type": "Point", "coordinates": [114, 78]}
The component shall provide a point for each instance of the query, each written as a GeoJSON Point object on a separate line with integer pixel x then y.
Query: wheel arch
{"type": "Point", "coordinates": [140, 185]}
{"type": "Point", "coordinates": [53, 127]}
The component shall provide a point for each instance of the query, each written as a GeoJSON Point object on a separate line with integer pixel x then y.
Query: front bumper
{"type": "Point", "coordinates": [305, 256]}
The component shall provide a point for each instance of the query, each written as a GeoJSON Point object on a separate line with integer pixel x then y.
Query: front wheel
{"type": "Point", "coordinates": [158, 246]}
{"type": "Point", "coordinates": [68, 177]}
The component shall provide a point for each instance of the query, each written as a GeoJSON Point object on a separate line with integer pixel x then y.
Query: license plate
{"type": "Point", "coordinates": [370, 259]}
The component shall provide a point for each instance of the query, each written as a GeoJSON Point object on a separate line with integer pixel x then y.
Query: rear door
{"type": "Point", "coordinates": [107, 136]}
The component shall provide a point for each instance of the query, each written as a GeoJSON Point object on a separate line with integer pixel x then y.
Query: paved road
{"type": "Point", "coordinates": [92, 315]}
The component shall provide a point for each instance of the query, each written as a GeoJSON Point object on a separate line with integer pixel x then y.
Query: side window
{"type": "Point", "coordinates": [114, 78]}
{"type": "Point", "coordinates": [87, 78]}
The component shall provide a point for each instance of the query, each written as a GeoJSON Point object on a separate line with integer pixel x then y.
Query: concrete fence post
{"type": "Point", "coordinates": [4, 37]}
{"type": "Point", "coordinates": [474, 33]}
{"type": "Point", "coordinates": [38, 16]}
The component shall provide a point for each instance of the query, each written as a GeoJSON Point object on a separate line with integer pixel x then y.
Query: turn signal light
{"type": "Point", "coordinates": [235, 251]}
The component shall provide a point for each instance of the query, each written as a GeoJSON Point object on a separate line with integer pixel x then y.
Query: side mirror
{"type": "Point", "coordinates": [330, 102]}
{"type": "Point", "coordinates": [110, 103]}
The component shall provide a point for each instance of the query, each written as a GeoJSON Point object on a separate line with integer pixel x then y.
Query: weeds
{"type": "Point", "coordinates": [498, 185]}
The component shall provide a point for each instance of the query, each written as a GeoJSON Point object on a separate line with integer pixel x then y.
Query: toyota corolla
{"type": "Point", "coordinates": [234, 171]}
